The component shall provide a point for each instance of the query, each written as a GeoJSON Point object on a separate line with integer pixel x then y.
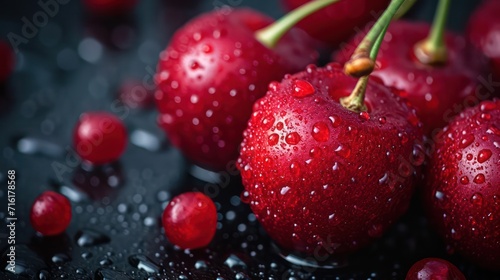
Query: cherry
{"type": "Point", "coordinates": [462, 194]}
{"type": "Point", "coordinates": [99, 137]}
{"type": "Point", "coordinates": [434, 269]}
{"type": "Point", "coordinates": [110, 7]}
{"type": "Point", "coordinates": [212, 72]}
{"type": "Point", "coordinates": [190, 220]}
{"type": "Point", "coordinates": [437, 91]}
{"type": "Point", "coordinates": [482, 31]}
{"type": "Point", "coordinates": [50, 213]}
{"type": "Point", "coordinates": [319, 176]}
{"type": "Point", "coordinates": [336, 23]}
{"type": "Point", "coordinates": [7, 61]}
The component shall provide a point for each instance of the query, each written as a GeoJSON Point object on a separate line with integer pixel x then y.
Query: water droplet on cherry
{"type": "Point", "coordinates": [320, 132]}
{"type": "Point", "coordinates": [302, 88]}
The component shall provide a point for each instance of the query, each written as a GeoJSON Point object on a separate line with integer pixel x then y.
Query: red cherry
{"type": "Point", "coordinates": [7, 61]}
{"type": "Point", "coordinates": [211, 74]}
{"type": "Point", "coordinates": [434, 269]}
{"type": "Point", "coordinates": [336, 23]}
{"type": "Point", "coordinates": [110, 7]}
{"type": "Point", "coordinates": [482, 32]}
{"type": "Point", "coordinates": [321, 177]}
{"type": "Point", "coordinates": [190, 220]}
{"type": "Point", "coordinates": [462, 194]}
{"type": "Point", "coordinates": [99, 137]}
{"type": "Point", "coordinates": [50, 213]}
{"type": "Point", "coordinates": [437, 92]}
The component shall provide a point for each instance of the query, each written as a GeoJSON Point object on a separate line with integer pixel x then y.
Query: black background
{"type": "Point", "coordinates": [56, 79]}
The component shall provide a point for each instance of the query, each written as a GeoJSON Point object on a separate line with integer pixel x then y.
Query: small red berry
{"type": "Point", "coordinates": [110, 7]}
{"type": "Point", "coordinates": [99, 137]}
{"type": "Point", "coordinates": [434, 269]}
{"type": "Point", "coordinates": [190, 220]}
{"type": "Point", "coordinates": [50, 213]}
{"type": "Point", "coordinates": [6, 61]}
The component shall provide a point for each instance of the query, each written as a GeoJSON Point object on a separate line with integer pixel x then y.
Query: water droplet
{"type": "Point", "coordinates": [488, 106]}
{"type": "Point", "coordinates": [245, 197]}
{"type": "Point", "coordinates": [273, 139]}
{"type": "Point", "coordinates": [375, 231]}
{"type": "Point", "coordinates": [315, 152]}
{"type": "Point", "coordinates": [234, 262]}
{"type": "Point", "coordinates": [364, 116]}
{"type": "Point", "coordinates": [404, 137]}
{"type": "Point", "coordinates": [109, 274]}
{"type": "Point", "coordinates": [200, 265]}
{"type": "Point", "coordinates": [268, 122]}
{"type": "Point", "coordinates": [336, 121]}
{"type": "Point", "coordinates": [484, 155]}
{"type": "Point", "coordinates": [382, 120]}
{"type": "Point", "coordinates": [292, 138]}
{"type": "Point", "coordinates": [43, 275]}
{"type": "Point", "coordinates": [295, 169]}
{"type": "Point", "coordinates": [142, 262]}
{"type": "Point", "coordinates": [418, 155]}
{"type": "Point", "coordinates": [335, 166]}
{"type": "Point", "coordinates": [302, 88]}
{"type": "Point", "coordinates": [384, 179]}
{"type": "Point", "coordinates": [87, 255]}
{"type": "Point", "coordinates": [466, 141]}
{"type": "Point", "coordinates": [455, 234]}
{"type": "Point", "coordinates": [485, 116]}
{"type": "Point", "coordinates": [60, 259]}
{"type": "Point", "coordinates": [464, 180]}
{"type": "Point", "coordinates": [284, 190]}
{"type": "Point", "coordinates": [343, 151]}
{"type": "Point", "coordinates": [89, 237]}
{"type": "Point", "coordinates": [477, 199]}
{"type": "Point", "coordinates": [493, 130]}
{"type": "Point", "coordinates": [321, 132]}
{"type": "Point", "coordinates": [479, 179]}
{"type": "Point", "coordinates": [469, 156]}
{"type": "Point", "coordinates": [439, 195]}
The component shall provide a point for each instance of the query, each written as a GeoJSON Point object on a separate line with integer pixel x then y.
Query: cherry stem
{"type": "Point", "coordinates": [361, 62]}
{"type": "Point", "coordinates": [404, 8]}
{"type": "Point", "coordinates": [356, 100]}
{"type": "Point", "coordinates": [270, 35]}
{"type": "Point", "coordinates": [432, 50]}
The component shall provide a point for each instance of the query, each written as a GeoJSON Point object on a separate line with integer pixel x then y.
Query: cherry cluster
{"type": "Point", "coordinates": [330, 156]}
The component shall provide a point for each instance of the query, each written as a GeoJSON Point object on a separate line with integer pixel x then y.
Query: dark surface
{"type": "Point", "coordinates": [116, 231]}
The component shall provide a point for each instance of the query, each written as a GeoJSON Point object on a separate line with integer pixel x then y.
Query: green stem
{"type": "Point", "coordinates": [404, 8]}
{"type": "Point", "coordinates": [270, 35]}
{"type": "Point", "coordinates": [433, 50]}
{"type": "Point", "coordinates": [356, 100]}
{"type": "Point", "coordinates": [362, 53]}
{"type": "Point", "coordinates": [377, 44]}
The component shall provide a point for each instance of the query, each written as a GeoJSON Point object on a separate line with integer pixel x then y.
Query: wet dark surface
{"type": "Point", "coordinates": [76, 63]}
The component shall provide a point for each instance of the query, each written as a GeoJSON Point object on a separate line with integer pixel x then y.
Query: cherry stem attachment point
{"type": "Point", "coordinates": [432, 50]}
{"type": "Point", "coordinates": [356, 100]}
{"type": "Point", "coordinates": [270, 35]}
{"type": "Point", "coordinates": [361, 62]}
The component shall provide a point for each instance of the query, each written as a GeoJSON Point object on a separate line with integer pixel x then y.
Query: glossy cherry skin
{"type": "Point", "coordinates": [7, 61]}
{"type": "Point", "coordinates": [211, 73]}
{"type": "Point", "coordinates": [434, 269]}
{"type": "Point", "coordinates": [438, 92]}
{"type": "Point", "coordinates": [190, 220]}
{"type": "Point", "coordinates": [110, 7]}
{"type": "Point", "coordinates": [99, 137]}
{"type": "Point", "coordinates": [339, 21]}
{"type": "Point", "coordinates": [462, 194]}
{"type": "Point", "coordinates": [482, 32]}
{"type": "Point", "coordinates": [50, 213]}
{"type": "Point", "coordinates": [320, 177]}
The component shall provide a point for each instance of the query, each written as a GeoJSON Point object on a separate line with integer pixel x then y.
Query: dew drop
{"type": "Point", "coordinates": [364, 116]}
{"type": "Point", "coordinates": [302, 88]}
{"type": "Point", "coordinates": [292, 138]}
{"type": "Point", "coordinates": [60, 259]}
{"type": "Point", "coordinates": [279, 126]}
{"type": "Point", "coordinates": [284, 190]}
{"type": "Point", "coordinates": [484, 155]}
{"type": "Point", "coordinates": [418, 155]}
{"type": "Point", "coordinates": [469, 156]}
{"type": "Point", "coordinates": [439, 195]}
{"type": "Point", "coordinates": [320, 132]}
{"type": "Point", "coordinates": [315, 152]}
{"type": "Point", "coordinates": [455, 234]}
{"type": "Point", "coordinates": [383, 180]}
{"type": "Point", "coordinates": [466, 141]}
{"type": "Point", "coordinates": [493, 130]}
{"type": "Point", "coordinates": [89, 237]}
{"type": "Point", "coordinates": [142, 262]}
{"type": "Point", "coordinates": [464, 180]}
{"type": "Point", "coordinates": [234, 262]}
{"type": "Point", "coordinates": [336, 121]}
{"type": "Point", "coordinates": [343, 151]}
{"type": "Point", "coordinates": [245, 197]}
{"type": "Point", "coordinates": [479, 179]}
{"type": "Point", "coordinates": [295, 169]}
{"type": "Point", "coordinates": [485, 116]}
{"type": "Point", "coordinates": [273, 139]}
{"type": "Point", "coordinates": [200, 265]}
{"type": "Point", "coordinates": [382, 120]}
{"type": "Point", "coordinates": [488, 106]}
{"type": "Point", "coordinates": [268, 122]}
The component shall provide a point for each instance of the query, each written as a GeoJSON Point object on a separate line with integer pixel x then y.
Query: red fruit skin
{"type": "Point", "coordinates": [7, 61]}
{"type": "Point", "coordinates": [190, 220]}
{"type": "Point", "coordinates": [434, 269]}
{"type": "Point", "coordinates": [437, 92]}
{"type": "Point", "coordinates": [482, 31]}
{"type": "Point", "coordinates": [339, 21]}
{"type": "Point", "coordinates": [110, 7]}
{"type": "Point", "coordinates": [50, 213]}
{"type": "Point", "coordinates": [99, 137]}
{"type": "Point", "coordinates": [211, 73]}
{"type": "Point", "coordinates": [462, 194]}
{"type": "Point", "coordinates": [322, 178]}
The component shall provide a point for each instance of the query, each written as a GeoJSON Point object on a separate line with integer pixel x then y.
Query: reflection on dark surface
{"type": "Point", "coordinates": [99, 181]}
{"type": "Point", "coordinates": [116, 33]}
